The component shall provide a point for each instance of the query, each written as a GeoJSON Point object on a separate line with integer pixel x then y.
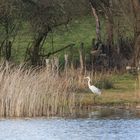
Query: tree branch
{"type": "Point", "coordinates": [52, 53]}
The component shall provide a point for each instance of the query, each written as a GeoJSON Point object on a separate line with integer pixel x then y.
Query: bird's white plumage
{"type": "Point", "coordinates": [94, 89]}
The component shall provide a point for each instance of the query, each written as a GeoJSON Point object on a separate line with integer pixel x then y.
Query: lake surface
{"type": "Point", "coordinates": [97, 125]}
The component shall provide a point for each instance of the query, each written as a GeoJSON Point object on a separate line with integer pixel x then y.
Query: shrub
{"type": "Point", "coordinates": [105, 84]}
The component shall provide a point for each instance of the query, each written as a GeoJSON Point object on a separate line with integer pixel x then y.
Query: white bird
{"type": "Point", "coordinates": [94, 89]}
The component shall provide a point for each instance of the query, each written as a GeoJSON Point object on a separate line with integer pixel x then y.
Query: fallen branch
{"type": "Point", "coordinates": [52, 53]}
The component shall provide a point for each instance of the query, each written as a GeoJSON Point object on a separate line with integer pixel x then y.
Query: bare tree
{"type": "Point", "coordinates": [98, 28]}
{"type": "Point", "coordinates": [44, 16]}
{"type": "Point", "coordinates": [136, 10]}
{"type": "Point", "coordinates": [130, 10]}
{"type": "Point", "coordinates": [9, 21]}
{"type": "Point", "coordinates": [105, 8]}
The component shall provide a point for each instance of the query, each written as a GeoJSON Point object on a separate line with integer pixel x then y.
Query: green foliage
{"type": "Point", "coordinates": [77, 31]}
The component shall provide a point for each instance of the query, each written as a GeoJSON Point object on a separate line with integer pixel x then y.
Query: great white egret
{"type": "Point", "coordinates": [94, 89]}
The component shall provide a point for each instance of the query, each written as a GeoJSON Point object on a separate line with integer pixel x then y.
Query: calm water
{"type": "Point", "coordinates": [98, 125]}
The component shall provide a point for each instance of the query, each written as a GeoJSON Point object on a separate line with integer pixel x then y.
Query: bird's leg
{"type": "Point", "coordinates": [95, 98]}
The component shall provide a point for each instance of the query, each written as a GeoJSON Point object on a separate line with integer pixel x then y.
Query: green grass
{"type": "Point", "coordinates": [77, 31]}
{"type": "Point", "coordinates": [61, 37]}
{"type": "Point", "coordinates": [124, 92]}
{"type": "Point", "coordinates": [124, 83]}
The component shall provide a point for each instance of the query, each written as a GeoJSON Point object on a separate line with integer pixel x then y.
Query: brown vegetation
{"type": "Point", "coordinates": [33, 93]}
{"type": "Point", "coordinates": [41, 92]}
{"type": "Point", "coordinates": [45, 92]}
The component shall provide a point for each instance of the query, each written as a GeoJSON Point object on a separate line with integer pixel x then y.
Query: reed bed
{"type": "Point", "coordinates": [44, 92]}
{"type": "Point", "coordinates": [34, 93]}
{"type": "Point", "coordinates": [41, 92]}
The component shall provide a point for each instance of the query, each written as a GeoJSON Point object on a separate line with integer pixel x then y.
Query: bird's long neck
{"type": "Point", "coordinates": [89, 82]}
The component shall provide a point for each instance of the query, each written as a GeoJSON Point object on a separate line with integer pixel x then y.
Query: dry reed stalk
{"type": "Point", "coordinates": [32, 93]}
{"type": "Point", "coordinates": [139, 85]}
{"type": "Point", "coordinates": [40, 92]}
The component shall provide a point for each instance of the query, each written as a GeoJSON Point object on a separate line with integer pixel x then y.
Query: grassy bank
{"type": "Point", "coordinates": [125, 92]}
{"type": "Point", "coordinates": [41, 92]}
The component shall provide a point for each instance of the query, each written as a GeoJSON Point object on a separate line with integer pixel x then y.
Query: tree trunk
{"type": "Point", "coordinates": [66, 60]}
{"type": "Point", "coordinates": [7, 44]}
{"type": "Point", "coordinates": [81, 54]}
{"type": "Point", "coordinates": [35, 51]}
{"type": "Point", "coordinates": [109, 30]}
{"type": "Point", "coordinates": [8, 50]}
{"type": "Point", "coordinates": [98, 29]}
{"type": "Point", "coordinates": [136, 9]}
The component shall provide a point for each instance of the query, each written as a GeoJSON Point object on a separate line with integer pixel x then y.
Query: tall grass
{"type": "Point", "coordinates": [31, 93]}
{"type": "Point", "coordinates": [43, 92]}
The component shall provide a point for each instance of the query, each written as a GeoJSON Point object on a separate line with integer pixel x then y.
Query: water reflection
{"type": "Point", "coordinates": [108, 113]}
{"type": "Point", "coordinates": [99, 124]}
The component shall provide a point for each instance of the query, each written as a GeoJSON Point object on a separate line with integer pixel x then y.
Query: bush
{"type": "Point", "coordinates": [105, 84]}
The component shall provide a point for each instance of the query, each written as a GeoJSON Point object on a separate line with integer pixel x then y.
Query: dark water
{"type": "Point", "coordinates": [98, 125]}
